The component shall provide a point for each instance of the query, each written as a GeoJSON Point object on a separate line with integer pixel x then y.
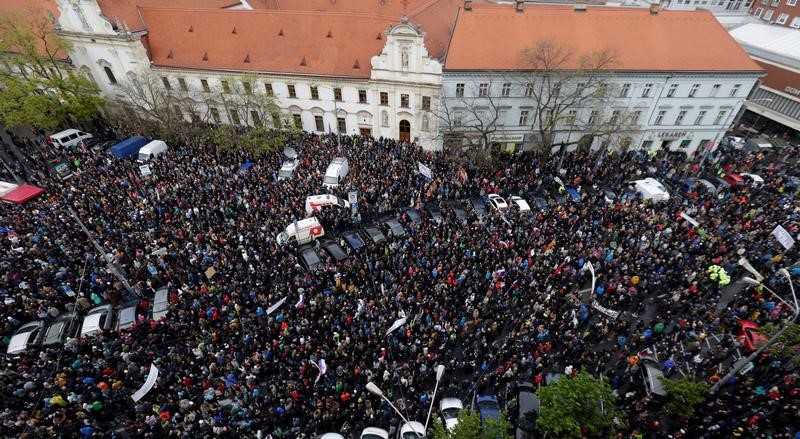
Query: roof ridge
{"type": "Point", "coordinates": [274, 12]}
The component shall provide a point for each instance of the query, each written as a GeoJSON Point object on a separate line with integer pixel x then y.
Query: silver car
{"type": "Point", "coordinates": [160, 304]}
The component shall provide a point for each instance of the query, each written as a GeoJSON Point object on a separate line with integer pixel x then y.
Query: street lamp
{"type": "Point", "coordinates": [742, 363]}
{"type": "Point", "coordinates": [752, 282]}
{"type": "Point", "coordinates": [439, 373]}
{"type": "Point", "coordinates": [377, 391]}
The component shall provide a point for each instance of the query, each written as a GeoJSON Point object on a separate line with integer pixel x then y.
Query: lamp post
{"type": "Point", "coordinates": [439, 373]}
{"type": "Point", "coordinates": [742, 363]}
{"type": "Point", "coordinates": [377, 391]}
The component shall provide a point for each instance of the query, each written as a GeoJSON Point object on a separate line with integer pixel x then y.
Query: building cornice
{"type": "Point", "coordinates": [128, 36]}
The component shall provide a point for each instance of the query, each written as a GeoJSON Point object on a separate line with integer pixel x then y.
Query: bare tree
{"type": "Point", "coordinates": [472, 117]}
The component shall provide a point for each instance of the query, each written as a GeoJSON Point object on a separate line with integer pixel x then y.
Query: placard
{"type": "Point", "coordinates": [783, 237]}
{"type": "Point", "coordinates": [145, 170]}
{"type": "Point", "coordinates": [424, 170]}
{"type": "Point", "coordinates": [148, 384]}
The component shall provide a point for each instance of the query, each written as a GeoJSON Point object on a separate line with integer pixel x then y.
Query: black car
{"type": "Point", "coordinates": [458, 208]}
{"type": "Point", "coordinates": [539, 199]}
{"type": "Point", "coordinates": [413, 215]}
{"type": "Point", "coordinates": [99, 145]}
{"type": "Point", "coordinates": [557, 198]}
{"type": "Point", "coordinates": [374, 234]}
{"type": "Point", "coordinates": [334, 249]}
{"type": "Point", "coordinates": [435, 214]}
{"type": "Point", "coordinates": [353, 239]}
{"type": "Point", "coordinates": [309, 258]}
{"type": "Point", "coordinates": [394, 226]}
{"type": "Point", "coordinates": [478, 205]}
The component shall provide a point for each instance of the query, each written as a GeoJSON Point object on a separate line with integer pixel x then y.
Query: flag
{"type": "Point", "coordinates": [322, 368]}
{"type": "Point", "coordinates": [300, 303]}
{"type": "Point", "coordinates": [272, 308]}
{"type": "Point", "coordinates": [397, 323]}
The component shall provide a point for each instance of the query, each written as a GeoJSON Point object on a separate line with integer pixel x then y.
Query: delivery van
{"type": "Point", "coordinates": [336, 172]}
{"type": "Point", "coordinates": [650, 189]}
{"type": "Point", "coordinates": [301, 232]}
{"type": "Point", "coordinates": [315, 203]}
{"type": "Point", "coordinates": [128, 147]}
{"type": "Point", "coordinates": [69, 138]}
{"type": "Point", "coordinates": [152, 149]}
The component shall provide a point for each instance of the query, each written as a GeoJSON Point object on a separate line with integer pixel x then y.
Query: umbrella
{"type": "Point", "coordinates": [659, 327]}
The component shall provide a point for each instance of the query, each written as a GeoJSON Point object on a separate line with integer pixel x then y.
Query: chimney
{"type": "Point", "coordinates": [654, 9]}
{"type": "Point", "coordinates": [580, 7]}
{"type": "Point", "coordinates": [467, 5]}
{"type": "Point", "coordinates": [520, 5]}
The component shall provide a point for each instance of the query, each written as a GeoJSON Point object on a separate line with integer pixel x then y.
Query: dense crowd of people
{"type": "Point", "coordinates": [497, 299]}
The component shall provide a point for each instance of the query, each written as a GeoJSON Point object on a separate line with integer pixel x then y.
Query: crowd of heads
{"type": "Point", "coordinates": [498, 299]}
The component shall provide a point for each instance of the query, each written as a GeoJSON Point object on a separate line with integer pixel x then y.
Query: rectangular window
{"type": "Point", "coordinates": [720, 116]}
{"type": "Point", "coordinates": [715, 89]}
{"type": "Point", "coordinates": [572, 116]}
{"type": "Point", "coordinates": [234, 116]}
{"type": "Point", "coordinates": [768, 15]}
{"type": "Point", "coordinates": [215, 114]}
{"type": "Point", "coordinates": [314, 93]}
{"type": "Point", "coordinates": [298, 121]}
{"type": "Point", "coordinates": [647, 144]}
{"type": "Point", "coordinates": [700, 116]}
{"type": "Point", "coordinates": [204, 83]}
{"type": "Point", "coordinates": [426, 103]}
{"type": "Point", "coordinates": [672, 89]}
{"type": "Point", "coordinates": [635, 117]}
{"type": "Point", "coordinates": [758, 12]}
{"type": "Point", "coordinates": [319, 123]}
{"type": "Point", "coordinates": [483, 89]}
{"type": "Point", "coordinates": [795, 22]}
{"type": "Point", "coordinates": [182, 84]}
{"type": "Point", "coordinates": [337, 94]}
{"type": "Point", "coordinates": [362, 96]}
{"type": "Point", "coordinates": [255, 117]}
{"type": "Point", "coordinates": [506, 89]}
{"type": "Point", "coordinates": [458, 118]}
{"type": "Point", "coordinates": [459, 90]}
{"type": "Point", "coordinates": [384, 98]}
{"type": "Point", "coordinates": [614, 117]}
{"type": "Point", "coordinates": [623, 92]}
{"type": "Point", "coordinates": [660, 117]}
{"type": "Point", "coordinates": [225, 87]}
{"type": "Point", "coordinates": [783, 18]}
{"type": "Point", "coordinates": [248, 89]}
{"type": "Point", "coordinates": [791, 2]}
{"type": "Point", "coordinates": [646, 91]}
{"type": "Point", "coordinates": [341, 125]}
{"type": "Point", "coordinates": [523, 117]}
{"type": "Point", "coordinates": [268, 89]}
{"type": "Point", "coordinates": [528, 90]}
{"type": "Point", "coordinates": [593, 117]}
{"type": "Point", "coordinates": [679, 119]}
{"type": "Point", "coordinates": [292, 91]}
{"type": "Point", "coordinates": [165, 81]}
{"type": "Point", "coordinates": [776, 3]}
{"type": "Point", "coordinates": [404, 100]}
{"type": "Point", "coordinates": [694, 89]}
{"type": "Point", "coordinates": [556, 90]}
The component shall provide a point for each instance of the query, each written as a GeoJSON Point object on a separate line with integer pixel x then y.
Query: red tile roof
{"type": "Point", "coordinates": [493, 38]}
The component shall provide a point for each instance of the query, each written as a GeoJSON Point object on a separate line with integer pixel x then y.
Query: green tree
{"type": "Point", "coordinates": [683, 396]}
{"type": "Point", "coordinates": [577, 407]}
{"type": "Point", "coordinates": [38, 87]}
{"type": "Point", "coordinates": [787, 346]}
{"type": "Point", "coordinates": [469, 427]}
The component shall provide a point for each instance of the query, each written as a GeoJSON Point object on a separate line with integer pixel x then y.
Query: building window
{"type": "Point", "coordinates": [341, 125]}
{"type": "Point", "coordinates": [593, 117]}
{"type": "Point", "coordinates": [298, 121]}
{"type": "Point", "coordinates": [268, 89]}
{"type": "Point", "coordinates": [426, 103]}
{"type": "Point", "coordinates": [791, 2]}
{"type": "Point", "coordinates": [458, 118]}
{"type": "Point", "coordinates": [783, 18]}
{"type": "Point", "coordinates": [660, 117]}
{"type": "Point", "coordinates": [795, 22]}
{"type": "Point", "coordinates": [735, 90]}
{"type": "Point", "coordinates": [215, 114]}
{"type": "Point", "coordinates": [623, 92]}
{"type": "Point", "coordinates": [700, 116]}
{"type": "Point", "coordinates": [459, 90]}
{"type": "Point", "coordinates": [483, 89]}
{"type": "Point", "coordinates": [768, 15]}
{"type": "Point", "coordinates": [672, 89]}
{"type": "Point", "coordinates": [523, 117]}
{"type": "Point", "coordinates": [647, 144]}
{"type": "Point", "coordinates": [635, 117]}
{"type": "Point", "coordinates": [528, 90]}
{"type": "Point", "coordinates": [318, 122]}
{"type": "Point", "coordinates": [234, 116]}
{"type": "Point", "coordinates": [248, 89]}
{"type": "Point", "coordinates": [111, 78]}
{"type": "Point", "coordinates": [182, 84]}
{"type": "Point", "coordinates": [384, 98]}
{"type": "Point", "coordinates": [314, 93]}
{"type": "Point", "coordinates": [337, 94]}
{"type": "Point", "coordinates": [572, 116]}
{"type": "Point", "coordinates": [720, 116]}
{"type": "Point", "coordinates": [715, 89]}
{"type": "Point", "coordinates": [256, 118]}
{"type": "Point", "coordinates": [694, 89]}
{"type": "Point", "coordinates": [776, 3]}
{"type": "Point", "coordinates": [556, 91]}
{"type": "Point", "coordinates": [204, 83]}
{"type": "Point", "coordinates": [614, 117]}
{"type": "Point", "coordinates": [165, 81]}
{"type": "Point", "coordinates": [404, 100]}
{"type": "Point", "coordinates": [506, 89]}
{"type": "Point", "coordinates": [225, 87]}
{"type": "Point", "coordinates": [362, 96]}
{"type": "Point", "coordinates": [646, 91]}
{"type": "Point", "coordinates": [292, 91]}
{"type": "Point", "coordinates": [501, 117]}
{"type": "Point", "coordinates": [679, 119]}
{"type": "Point", "coordinates": [758, 12]}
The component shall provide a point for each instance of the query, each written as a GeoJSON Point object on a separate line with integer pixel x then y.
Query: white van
{"type": "Point", "coordinates": [336, 172]}
{"type": "Point", "coordinates": [315, 203]}
{"type": "Point", "coordinates": [651, 189]}
{"type": "Point", "coordinates": [301, 232]}
{"type": "Point", "coordinates": [150, 150]}
{"type": "Point", "coordinates": [69, 138]}
{"type": "Point", "coordinates": [287, 169]}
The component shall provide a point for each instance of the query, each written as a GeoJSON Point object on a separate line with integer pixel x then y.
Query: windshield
{"type": "Point", "coordinates": [331, 179]}
{"type": "Point", "coordinates": [488, 405]}
{"type": "Point", "coordinates": [450, 413]}
{"type": "Point", "coordinates": [282, 238]}
{"type": "Point", "coordinates": [410, 435]}
{"type": "Point", "coordinates": [370, 436]}
{"type": "Point", "coordinates": [143, 156]}
{"type": "Point", "coordinates": [285, 173]}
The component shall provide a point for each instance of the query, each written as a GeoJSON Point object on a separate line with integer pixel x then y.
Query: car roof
{"type": "Point", "coordinates": [447, 403]}
{"type": "Point", "coordinates": [19, 341]}
{"type": "Point", "coordinates": [353, 239]}
{"type": "Point", "coordinates": [91, 323]}
{"type": "Point", "coordinates": [334, 249]}
{"type": "Point", "coordinates": [375, 431]}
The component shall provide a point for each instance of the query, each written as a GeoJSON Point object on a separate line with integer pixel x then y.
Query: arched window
{"type": "Point", "coordinates": [110, 75]}
{"type": "Point", "coordinates": [88, 73]}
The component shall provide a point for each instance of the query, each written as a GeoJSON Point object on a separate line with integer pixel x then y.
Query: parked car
{"type": "Point", "coordinates": [574, 195]}
{"type": "Point", "coordinates": [449, 409]}
{"type": "Point", "coordinates": [413, 215]}
{"type": "Point", "coordinates": [733, 179]}
{"type": "Point", "coordinates": [754, 180]}
{"type": "Point", "coordinates": [309, 258]}
{"type": "Point", "coordinates": [557, 197]}
{"type": "Point", "coordinates": [330, 436]}
{"type": "Point", "coordinates": [126, 317]}
{"type": "Point", "coordinates": [27, 336]}
{"type": "Point", "coordinates": [477, 205]}
{"type": "Point", "coordinates": [333, 248]}
{"type": "Point", "coordinates": [609, 196]}
{"type": "Point", "coordinates": [458, 208]}
{"type": "Point", "coordinates": [539, 199]}
{"type": "Point", "coordinates": [353, 239]}
{"type": "Point", "coordinates": [749, 334]}
{"type": "Point", "coordinates": [411, 430]}
{"type": "Point", "coordinates": [64, 326]}
{"type": "Point", "coordinates": [520, 204]}
{"type": "Point", "coordinates": [702, 182]}
{"type": "Point", "coordinates": [651, 369]}
{"type": "Point", "coordinates": [488, 407]}
{"type": "Point", "coordinates": [97, 319]}
{"type": "Point", "coordinates": [497, 202]}
{"type": "Point", "coordinates": [394, 226]}
{"type": "Point", "coordinates": [160, 304]}
{"type": "Point", "coordinates": [374, 433]}
{"type": "Point", "coordinates": [528, 406]}
{"type": "Point", "coordinates": [435, 214]}
{"type": "Point", "coordinates": [374, 234]}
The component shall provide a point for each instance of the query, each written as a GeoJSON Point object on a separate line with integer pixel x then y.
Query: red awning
{"type": "Point", "coordinates": [22, 194]}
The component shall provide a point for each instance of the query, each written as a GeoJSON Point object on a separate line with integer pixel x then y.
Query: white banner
{"type": "Point", "coordinates": [397, 323]}
{"type": "Point", "coordinates": [690, 219]}
{"type": "Point", "coordinates": [783, 237]}
{"type": "Point", "coordinates": [424, 170]}
{"type": "Point", "coordinates": [272, 308]}
{"type": "Point", "coordinates": [609, 312]}
{"type": "Point", "coordinates": [148, 384]}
